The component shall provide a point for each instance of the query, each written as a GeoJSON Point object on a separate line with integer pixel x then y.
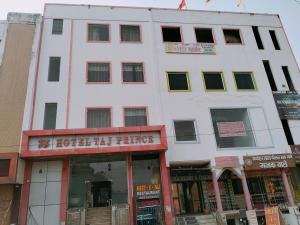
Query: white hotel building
{"type": "Point", "coordinates": [144, 116]}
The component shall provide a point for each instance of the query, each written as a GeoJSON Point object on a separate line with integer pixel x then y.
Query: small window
{"type": "Point", "coordinates": [171, 34]}
{"type": "Point", "coordinates": [98, 32]}
{"type": "Point", "coordinates": [232, 36]}
{"type": "Point", "coordinates": [274, 39]}
{"type": "Point", "coordinates": [130, 33]}
{"type": "Point", "coordinates": [178, 81]}
{"type": "Point", "coordinates": [213, 81]}
{"type": "Point", "coordinates": [135, 117]}
{"type": "Point", "coordinates": [98, 118]}
{"type": "Point", "coordinates": [185, 130]}
{"type": "Point", "coordinates": [133, 72]}
{"type": "Point", "coordinates": [4, 167]}
{"type": "Point", "coordinates": [50, 116]}
{"type": "Point", "coordinates": [232, 128]}
{"type": "Point", "coordinates": [98, 72]}
{"type": "Point", "coordinates": [288, 78]}
{"type": "Point", "coordinates": [244, 81]}
{"type": "Point", "coordinates": [54, 69]}
{"type": "Point", "coordinates": [57, 26]}
{"type": "Point", "coordinates": [257, 37]}
{"type": "Point", "coordinates": [204, 35]}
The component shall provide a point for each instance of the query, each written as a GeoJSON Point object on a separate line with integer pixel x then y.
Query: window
{"type": "Point", "coordinates": [288, 78]}
{"type": "Point", "coordinates": [135, 117]}
{"type": "Point", "coordinates": [232, 128]}
{"type": "Point", "coordinates": [133, 72]}
{"type": "Point", "coordinates": [204, 35]}
{"type": "Point", "coordinates": [178, 81]}
{"type": "Point", "coordinates": [237, 186]}
{"type": "Point", "coordinates": [98, 72]}
{"type": "Point", "coordinates": [274, 39]}
{"type": "Point", "coordinates": [213, 81]}
{"type": "Point", "coordinates": [270, 75]}
{"type": "Point", "coordinates": [171, 34]}
{"type": "Point", "coordinates": [98, 118]}
{"type": "Point", "coordinates": [54, 69]}
{"type": "Point", "coordinates": [57, 26]}
{"type": "Point", "coordinates": [4, 167]}
{"type": "Point", "coordinates": [185, 130]}
{"type": "Point", "coordinates": [244, 81]}
{"type": "Point", "coordinates": [130, 33]}
{"type": "Point", "coordinates": [232, 36]}
{"type": "Point", "coordinates": [50, 116]}
{"type": "Point", "coordinates": [98, 32]}
{"type": "Point", "coordinates": [257, 37]}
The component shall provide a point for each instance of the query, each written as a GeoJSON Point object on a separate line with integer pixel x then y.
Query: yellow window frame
{"type": "Point", "coordinates": [187, 79]}
{"type": "Point", "coordinates": [252, 78]}
{"type": "Point", "coordinates": [214, 90]}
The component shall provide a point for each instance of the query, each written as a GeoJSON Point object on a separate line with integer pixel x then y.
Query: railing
{"type": "Point", "coordinates": [269, 199]}
{"type": "Point", "coordinates": [149, 215]}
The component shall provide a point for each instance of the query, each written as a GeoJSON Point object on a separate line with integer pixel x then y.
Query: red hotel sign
{"type": "Point", "coordinates": [89, 141]}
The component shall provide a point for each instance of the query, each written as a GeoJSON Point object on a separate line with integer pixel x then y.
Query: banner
{"type": "Point", "coordinates": [272, 216]}
{"type": "Point", "coordinates": [190, 48]}
{"type": "Point", "coordinates": [288, 105]}
{"type": "Point", "coordinates": [231, 129]}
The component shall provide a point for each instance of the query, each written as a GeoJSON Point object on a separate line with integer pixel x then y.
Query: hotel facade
{"type": "Point", "coordinates": [159, 116]}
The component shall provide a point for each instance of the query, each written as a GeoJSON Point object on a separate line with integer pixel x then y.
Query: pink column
{"type": "Point", "coordinates": [217, 191]}
{"type": "Point", "coordinates": [246, 191]}
{"type": "Point", "coordinates": [130, 187]}
{"type": "Point", "coordinates": [287, 188]}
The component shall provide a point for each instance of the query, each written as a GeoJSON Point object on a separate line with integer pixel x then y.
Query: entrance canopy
{"type": "Point", "coordinates": [43, 143]}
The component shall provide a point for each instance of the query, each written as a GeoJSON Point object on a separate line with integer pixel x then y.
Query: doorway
{"type": "Point", "coordinates": [101, 192]}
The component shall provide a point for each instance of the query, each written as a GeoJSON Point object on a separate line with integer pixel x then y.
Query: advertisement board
{"type": "Point", "coordinates": [288, 105]}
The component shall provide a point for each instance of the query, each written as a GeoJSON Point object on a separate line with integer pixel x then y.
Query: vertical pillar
{"type": "Point", "coordinates": [217, 191]}
{"type": "Point", "coordinates": [246, 191]}
{"type": "Point", "coordinates": [130, 187]}
{"type": "Point", "coordinates": [287, 188]}
{"type": "Point", "coordinates": [25, 194]}
{"type": "Point", "coordinates": [166, 189]}
{"type": "Point", "coordinates": [64, 190]}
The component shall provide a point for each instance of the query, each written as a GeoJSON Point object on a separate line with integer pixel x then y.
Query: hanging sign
{"type": "Point", "coordinates": [149, 191]}
{"type": "Point", "coordinates": [288, 104]}
{"type": "Point", "coordinates": [272, 216]}
{"type": "Point", "coordinates": [190, 48]}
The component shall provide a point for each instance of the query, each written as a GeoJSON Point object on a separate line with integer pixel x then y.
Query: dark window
{"type": "Point", "coordinates": [98, 118]}
{"type": "Point", "coordinates": [98, 32]}
{"type": "Point", "coordinates": [257, 37]}
{"type": "Point", "coordinates": [232, 36]}
{"type": "Point", "coordinates": [204, 35]}
{"type": "Point", "coordinates": [133, 72]}
{"type": "Point", "coordinates": [57, 26]}
{"type": "Point", "coordinates": [135, 117]}
{"type": "Point", "coordinates": [237, 186]}
{"type": "Point", "coordinates": [178, 81]}
{"type": "Point", "coordinates": [130, 33]}
{"type": "Point", "coordinates": [274, 39]}
{"type": "Point", "coordinates": [54, 69]}
{"type": "Point", "coordinates": [185, 130]}
{"type": "Point", "coordinates": [244, 81]}
{"type": "Point", "coordinates": [50, 116]}
{"type": "Point", "coordinates": [4, 167]}
{"type": "Point", "coordinates": [287, 132]}
{"type": "Point", "coordinates": [98, 72]}
{"type": "Point", "coordinates": [288, 78]}
{"type": "Point", "coordinates": [171, 34]}
{"type": "Point", "coordinates": [270, 75]}
{"type": "Point", "coordinates": [213, 81]}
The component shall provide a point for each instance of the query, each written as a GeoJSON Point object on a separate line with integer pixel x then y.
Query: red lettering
{"type": "Point", "coordinates": [44, 143]}
{"type": "Point", "coordinates": [119, 139]}
{"type": "Point", "coordinates": [87, 142]}
{"type": "Point", "coordinates": [126, 140]}
{"type": "Point", "coordinates": [102, 141]}
{"type": "Point", "coordinates": [144, 138]}
{"type": "Point", "coordinates": [131, 139]}
{"type": "Point", "coordinates": [59, 143]}
{"type": "Point", "coordinates": [150, 139]}
{"type": "Point", "coordinates": [109, 141]}
{"type": "Point", "coordinates": [96, 140]}
{"type": "Point", "coordinates": [73, 141]}
{"type": "Point", "coordinates": [81, 142]}
{"type": "Point", "coordinates": [137, 139]}
{"type": "Point", "coordinates": [66, 142]}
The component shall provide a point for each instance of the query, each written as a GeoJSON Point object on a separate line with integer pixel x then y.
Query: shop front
{"type": "Point", "coordinates": [114, 176]}
{"type": "Point", "coordinates": [295, 173]}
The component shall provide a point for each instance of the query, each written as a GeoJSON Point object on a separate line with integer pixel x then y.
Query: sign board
{"type": "Point", "coordinates": [288, 105]}
{"type": "Point", "coordinates": [261, 162]}
{"type": "Point", "coordinates": [65, 142]}
{"type": "Point", "coordinates": [296, 152]}
{"type": "Point", "coordinates": [190, 48]}
{"type": "Point", "coordinates": [251, 216]}
{"type": "Point", "coordinates": [227, 161]}
{"type": "Point", "coordinates": [149, 191]}
{"type": "Point", "coordinates": [231, 129]}
{"type": "Point", "coordinates": [272, 216]}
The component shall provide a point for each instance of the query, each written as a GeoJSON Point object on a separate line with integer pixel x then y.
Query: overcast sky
{"type": "Point", "coordinates": [289, 10]}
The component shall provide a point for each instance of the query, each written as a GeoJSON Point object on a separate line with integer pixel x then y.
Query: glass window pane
{"type": "Point", "coordinates": [244, 81]}
{"type": "Point", "coordinates": [130, 33]}
{"type": "Point", "coordinates": [50, 116]}
{"type": "Point", "coordinates": [98, 32]}
{"type": "Point", "coordinates": [185, 131]}
{"type": "Point", "coordinates": [135, 117]}
{"type": "Point", "coordinates": [133, 72]}
{"type": "Point", "coordinates": [98, 72]}
{"type": "Point", "coordinates": [213, 81]}
{"type": "Point", "coordinates": [4, 167]}
{"type": "Point", "coordinates": [178, 81]}
{"type": "Point", "coordinates": [98, 118]}
{"type": "Point", "coordinates": [54, 69]}
{"type": "Point", "coordinates": [57, 26]}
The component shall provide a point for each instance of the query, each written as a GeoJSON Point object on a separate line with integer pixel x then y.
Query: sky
{"type": "Point", "coordinates": [289, 10]}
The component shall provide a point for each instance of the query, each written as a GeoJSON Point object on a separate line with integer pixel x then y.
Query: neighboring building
{"type": "Point", "coordinates": [142, 115]}
{"type": "Point", "coordinates": [17, 35]}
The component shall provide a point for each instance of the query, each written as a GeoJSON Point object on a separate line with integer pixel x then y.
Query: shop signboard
{"type": "Point", "coordinates": [227, 161]}
{"type": "Point", "coordinates": [275, 161]}
{"type": "Point", "coordinates": [296, 152]}
{"type": "Point", "coordinates": [251, 216]}
{"type": "Point", "coordinates": [288, 105]}
{"type": "Point", "coordinates": [190, 48]}
{"type": "Point", "coordinates": [272, 216]}
{"type": "Point", "coordinates": [149, 191]}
